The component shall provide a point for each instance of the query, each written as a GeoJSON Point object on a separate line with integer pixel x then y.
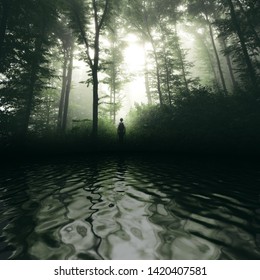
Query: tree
{"type": "Point", "coordinates": [203, 11]}
{"type": "Point", "coordinates": [204, 57]}
{"type": "Point", "coordinates": [24, 65]}
{"type": "Point", "coordinates": [174, 67]}
{"type": "Point", "coordinates": [238, 30]}
{"type": "Point", "coordinates": [143, 17]}
{"type": "Point", "coordinates": [237, 25]}
{"type": "Point", "coordinates": [157, 23]}
{"type": "Point", "coordinates": [112, 67]}
{"type": "Point", "coordinates": [67, 48]}
{"type": "Point", "coordinates": [88, 19]}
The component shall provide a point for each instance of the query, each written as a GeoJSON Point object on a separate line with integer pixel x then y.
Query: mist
{"type": "Point", "coordinates": [186, 72]}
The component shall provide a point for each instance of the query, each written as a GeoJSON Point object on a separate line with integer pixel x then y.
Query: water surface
{"type": "Point", "coordinates": [123, 207]}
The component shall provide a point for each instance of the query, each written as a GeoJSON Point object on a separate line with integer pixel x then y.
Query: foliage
{"type": "Point", "coordinates": [26, 57]}
{"type": "Point", "coordinates": [201, 121]}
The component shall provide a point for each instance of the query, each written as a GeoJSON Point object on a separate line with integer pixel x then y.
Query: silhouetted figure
{"type": "Point", "coordinates": [121, 131]}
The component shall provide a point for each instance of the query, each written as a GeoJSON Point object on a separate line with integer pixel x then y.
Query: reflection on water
{"type": "Point", "coordinates": [130, 208]}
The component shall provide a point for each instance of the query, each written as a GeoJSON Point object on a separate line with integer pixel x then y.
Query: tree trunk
{"type": "Point", "coordinates": [147, 86]}
{"type": "Point", "coordinates": [167, 77]}
{"type": "Point", "coordinates": [180, 55]}
{"type": "Point", "coordinates": [33, 79]}
{"type": "Point", "coordinates": [146, 78]}
{"type": "Point", "coordinates": [63, 90]}
{"type": "Point", "coordinates": [95, 88]}
{"type": "Point", "coordinates": [48, 103]}
{"type": "Point", "coordinates": [113, 86]}
{"type": "Point", "coordinates": [114, 101]}
{"type": "Point", "coordinates": [67, 91]}
{"type": "Point", "coordinates": [95, 66]}
{"type": "Point", "coordinates": [95, 104]}
{"type": "Point", "coordinates": [112, 97]}
{"type": "Point", "coordinates": [210, 61]}
{"type": "Point", "coordinates": [217, 56]}
{"type": "Point", "coordinates": [158, 78]}
{"type": "Point", "coordinates": [111, 104]}
{"type": "Point", "coordinates": [229, 64]}
{"type": "Point", "coordinates": [250, 68]}
{"type": "Point", "coordinates": [95, 81]}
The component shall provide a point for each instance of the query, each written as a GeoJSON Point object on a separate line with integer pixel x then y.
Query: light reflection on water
{"type": "Point", "coordinates": [130, 208]}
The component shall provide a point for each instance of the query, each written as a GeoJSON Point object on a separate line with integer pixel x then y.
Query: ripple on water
{"type": "Point", "coordinates": [130, 208]}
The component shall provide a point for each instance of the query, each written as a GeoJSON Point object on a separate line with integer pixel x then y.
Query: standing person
{"type": "Point", "coordinates": [121, 131]}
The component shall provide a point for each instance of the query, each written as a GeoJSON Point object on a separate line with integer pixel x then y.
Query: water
{"type": "Point", "coordinates": [116, 207]}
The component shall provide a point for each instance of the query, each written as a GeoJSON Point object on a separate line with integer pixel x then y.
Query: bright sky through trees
{"type": "Point", "coordinates": [134, 59]}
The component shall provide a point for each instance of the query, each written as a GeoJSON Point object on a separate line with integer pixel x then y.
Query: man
{"type": "Point", "coordinates": [121, 131]}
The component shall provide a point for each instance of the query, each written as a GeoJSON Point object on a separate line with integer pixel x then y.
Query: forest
{"type": "Point", "coordinates": [183, 74]}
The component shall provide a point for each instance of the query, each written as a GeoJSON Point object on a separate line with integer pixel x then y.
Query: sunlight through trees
{"type": "Point", "coordinates": [66, 65]}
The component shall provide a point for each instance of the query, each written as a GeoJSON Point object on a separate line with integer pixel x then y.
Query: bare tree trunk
{"type": "Point", "coordinates": [95, 76]}
{"type": "Point", "coordinates": [113, 86]}
{"type": "Point", "coordinates": [111, 104]}
{"type": "Point", "coordinates": [168, 84]}
{"type": "Point", "coordinates": [63, 90]}
{"type": "Point", "coordinates": [146, 78]}
{"type": "Point", "coordinates": [229, 64]}
{"type": "Point", "coordinates": [114, 95]}
{"type": "Point", "coordinates": [31, 89]}
{"type": "Point", "coordinates": [167, 77]}
{"type": "Point", "coordinates": [157, 66]}
{"type": "Point", "coordinates": [95, 104]}
{"type": "Point", "coordinates": [201, 39]}
{"type": "Point", "coordinates": [67, 91]}
{"type": "Point", "coordinates": [48, 112]}
{"type": "Point", "coordinates": [180, 55]}
{"type": "Point", "coordinates": [217, 56]}
{"type": "Point", "coordinates": [158, 77]}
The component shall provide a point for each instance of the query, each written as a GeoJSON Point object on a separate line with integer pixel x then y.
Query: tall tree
{"type": "Point", "coordinates": [67, 49]}
{"type": "Point", "coordinates": [112, 67]}
{"type": "Point", "coordinates": [27, 41]}
{"type": "Point", "coordinates": [88, 19]}
{"type": "Point", "coordinates": [203, 55]}
{"type": "Point", "coordinates": [228, 60]}
{"type": "Point", "coordinates": [204, 12]}
{"type": "Point", "coordinates": [236, 24]}
{"type": "Point", "coordinates": [146, 77]}
{"type": "Point", "coordinates": [143, 18]}
{"type": "Point", "coordinates": [67, 88]}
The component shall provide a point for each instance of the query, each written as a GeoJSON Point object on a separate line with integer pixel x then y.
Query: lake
{"type": "Point", "coordinates": [130, 207]}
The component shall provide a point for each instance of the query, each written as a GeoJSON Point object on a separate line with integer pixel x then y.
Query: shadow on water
{"type": "Point", "coordinates": [123, 207]}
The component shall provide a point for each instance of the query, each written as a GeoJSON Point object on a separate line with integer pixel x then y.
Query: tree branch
{"type": "Point", "coordinates": [83, 35]}
{"type": "Point", "coordinates": [104, 15]}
